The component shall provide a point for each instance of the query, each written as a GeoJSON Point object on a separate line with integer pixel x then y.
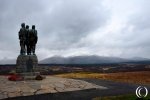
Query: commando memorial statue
{"type": "Point", "coordinates": [27, 61]}
{"type": "Point", "coordinates": [28, 39]}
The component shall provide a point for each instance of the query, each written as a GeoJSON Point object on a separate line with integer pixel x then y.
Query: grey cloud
{"type": "Point", "coordinates": [140, 21]}
{"type": "Point", "coordinates": [60, 23]}
{"type": "Point", "coordinates": [65, 26]}
{"type": "Point", "coordinates": [134, 37]}
{"type": "Point", "coordinates": [132, 40]}
{"type": "Point", "coordinates": [71, 20]}
{"type": "Point", "coordinates": [13, 13]}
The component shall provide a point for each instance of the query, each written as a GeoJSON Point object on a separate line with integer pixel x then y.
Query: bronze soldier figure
{"type": "Point", "coordinates": [27, 41]}
{"type": "Point", "coordinates": [33, 38]}
{"type": "Point", "coordinates": [22, 38]}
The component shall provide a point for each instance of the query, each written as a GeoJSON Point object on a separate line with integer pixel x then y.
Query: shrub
{"type": "Point", "coordinates": [39, 77]}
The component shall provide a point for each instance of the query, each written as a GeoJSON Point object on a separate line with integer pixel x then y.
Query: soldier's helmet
{"type": "Point", "coordinates": [33, 26]}
{"type": "Point", "coordinates": [27, 26]}
{"type": "Point", "coordinates": [23, 25]}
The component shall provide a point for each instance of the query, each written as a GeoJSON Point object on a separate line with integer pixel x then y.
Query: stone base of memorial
{"type": "Point", "coordinates": [26, 63]}
{"type": "Point", "coordinates": [26, 67]}
{"type": "Point", "coordinates": [52, 87]}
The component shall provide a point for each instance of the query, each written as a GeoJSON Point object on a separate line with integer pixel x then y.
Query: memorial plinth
{"type": "Point", "coordinates": [26, 66]}
{"type": "Point", "coordinates": [26, 63]}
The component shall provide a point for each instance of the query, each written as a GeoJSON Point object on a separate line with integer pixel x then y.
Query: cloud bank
{"type": "Point", "coordinates": [78, 27]}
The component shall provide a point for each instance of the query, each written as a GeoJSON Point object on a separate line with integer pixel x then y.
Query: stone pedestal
{"type": "Point", "coordinates": [26, 67]}
{"type": "Point", "coordinates": [26, 63]}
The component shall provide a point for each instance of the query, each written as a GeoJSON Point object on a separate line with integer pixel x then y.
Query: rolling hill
{"type": "Point", "coordinates": [93, 59]}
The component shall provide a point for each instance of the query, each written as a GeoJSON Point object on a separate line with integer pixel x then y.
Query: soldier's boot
{"type": "Point", "coordinates": [33, 50]}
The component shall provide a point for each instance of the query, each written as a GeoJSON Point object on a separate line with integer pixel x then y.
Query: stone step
{"type": "Point", "coordinates": [29, 73]}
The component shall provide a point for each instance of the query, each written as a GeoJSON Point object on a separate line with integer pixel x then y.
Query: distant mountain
{"type": "Point", "coordinates": [93, 59]}
{"type": "Point", "coordinates": [7, 61]}
{"type": "Point", "coordinates": [54, 60]}
{"type": "Point", "coordinates": [87, 59]}
{"type": "Point", "coordinates": [139, 59]}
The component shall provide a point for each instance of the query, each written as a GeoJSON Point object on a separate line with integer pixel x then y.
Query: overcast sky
{"type": "Point", "coordinates": [118, 28]}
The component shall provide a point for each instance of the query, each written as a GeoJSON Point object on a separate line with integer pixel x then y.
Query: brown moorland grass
{"type": "Point", "coordinates": [139, 77]}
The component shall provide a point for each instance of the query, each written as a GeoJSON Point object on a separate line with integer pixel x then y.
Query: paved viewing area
{"type": "Point", "coordinates": [51, 84]}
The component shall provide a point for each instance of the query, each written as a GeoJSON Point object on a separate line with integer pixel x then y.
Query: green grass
{"type": "Point", "coordinates": [122, 97]}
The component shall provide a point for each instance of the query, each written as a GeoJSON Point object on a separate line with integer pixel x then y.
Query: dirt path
{"type": "Point", "coordinates": [114, 88]}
